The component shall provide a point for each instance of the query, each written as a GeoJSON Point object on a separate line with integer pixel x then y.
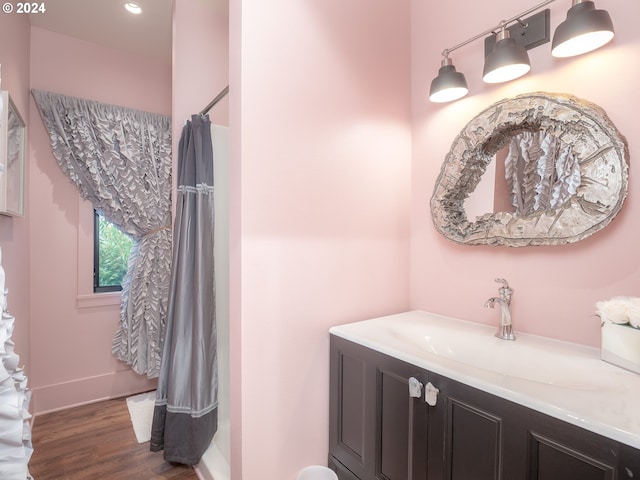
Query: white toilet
{"type": "Point", "coordinates": [316, 472]}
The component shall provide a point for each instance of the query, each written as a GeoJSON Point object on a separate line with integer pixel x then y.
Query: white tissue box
{"type": "Point", "coordinates": [620, 345]}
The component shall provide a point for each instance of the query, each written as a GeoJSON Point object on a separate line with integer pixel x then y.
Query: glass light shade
{"type": "Point", "coordinates": [448, 86]}
{"type": "Point", "coordinates": [507, 61]}
{"type": "Point", "coordinates": [584, 30]}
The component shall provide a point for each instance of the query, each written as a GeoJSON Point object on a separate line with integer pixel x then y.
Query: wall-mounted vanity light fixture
{"type": "Point", "coordinates": [585, 29]}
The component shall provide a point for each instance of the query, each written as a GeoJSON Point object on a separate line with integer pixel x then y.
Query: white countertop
{"type": "Point", "coordinates": [564, 380]}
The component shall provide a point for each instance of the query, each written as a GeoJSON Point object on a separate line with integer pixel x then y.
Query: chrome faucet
{"type": "Point", "coordinates": [505, 331]}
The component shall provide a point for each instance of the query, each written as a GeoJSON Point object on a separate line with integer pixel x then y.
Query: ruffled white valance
{"type": "Point", "coordinates": [120, 159]}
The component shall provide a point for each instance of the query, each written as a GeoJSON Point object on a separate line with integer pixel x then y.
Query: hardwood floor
{"type": "Point", "coordinates": [96, 442]}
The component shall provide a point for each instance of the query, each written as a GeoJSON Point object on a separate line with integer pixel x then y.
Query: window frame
{"type": "Point", "coordinates": [85, 298]}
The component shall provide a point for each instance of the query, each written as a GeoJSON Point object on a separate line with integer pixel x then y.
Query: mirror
{"type": "Point", "coordinates": [12, 136]}
{"type": "Point", "coordinates": [538, 169]}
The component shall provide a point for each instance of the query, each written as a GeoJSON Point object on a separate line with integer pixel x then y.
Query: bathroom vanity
{"type": "Point", "coordinates": [423, 396]}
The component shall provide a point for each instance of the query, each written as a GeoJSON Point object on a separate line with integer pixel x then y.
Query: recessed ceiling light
{"type": "Point", "coordinates": [133, 8]}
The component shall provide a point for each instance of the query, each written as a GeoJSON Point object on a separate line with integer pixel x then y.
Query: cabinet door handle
{"type": "Point", "coordinates": [431, 394]}
{"type": "Point", "coordinates": [415, 388]}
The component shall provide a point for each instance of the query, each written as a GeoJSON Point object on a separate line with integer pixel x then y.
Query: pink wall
{"type": "Point", "coordinates": [14, 231]}
{"type": "Point", "coordinates": [200, 62]}
{"type": "Point", "coordinates": [71, 359]}
{"type": "Point", "coordinates": [320, 152]}
{"type": "Point", "coordinates": [555, 287]}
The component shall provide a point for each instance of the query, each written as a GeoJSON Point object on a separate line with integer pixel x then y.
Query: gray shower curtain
{"type": "Point", "coordinates": [185, 414]}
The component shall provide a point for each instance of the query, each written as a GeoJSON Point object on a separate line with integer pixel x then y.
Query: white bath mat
{"type": "Point", "coordinates": [141, 413]}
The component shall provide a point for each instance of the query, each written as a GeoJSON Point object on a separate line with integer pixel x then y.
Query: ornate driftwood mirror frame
{"type": "Point", "coordinates": [565, 173]}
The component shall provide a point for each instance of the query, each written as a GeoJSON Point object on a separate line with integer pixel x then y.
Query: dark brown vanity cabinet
{"type": "Point", "coordinates": [378, 431]}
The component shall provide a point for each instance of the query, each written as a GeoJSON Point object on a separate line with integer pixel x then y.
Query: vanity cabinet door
{"type": "Point", "coordinates": [557, 449]}
{"type": "Point", "coordinates": [340, 470]}
{"type": "Point", "coordinates": [474, 435]}
{"type": "Point", "coordinates": [377, 431]}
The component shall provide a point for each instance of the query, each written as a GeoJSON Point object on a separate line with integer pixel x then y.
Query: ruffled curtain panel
{"type": "Point", "coordinates": [185, 415]}
{"type": "Point", "coordinates": [120, 160]}
{"type": "Point", "coordinates": [15, 426]}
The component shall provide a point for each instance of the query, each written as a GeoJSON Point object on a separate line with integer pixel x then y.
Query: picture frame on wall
{"type": "Point", "coordinates": [12, 153]}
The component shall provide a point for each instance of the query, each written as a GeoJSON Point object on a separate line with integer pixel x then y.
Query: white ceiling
{"type": "Point", "coordinates": [107, 23]}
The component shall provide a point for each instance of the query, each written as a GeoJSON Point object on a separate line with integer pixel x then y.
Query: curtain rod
{"type": "Point", "coordinates": [219, 97]}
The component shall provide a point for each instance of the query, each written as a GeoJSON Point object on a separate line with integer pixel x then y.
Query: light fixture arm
{"type": "Point", "coordinates": [502, 25]}
{"type": "Point", "coordinates": [505, 47]}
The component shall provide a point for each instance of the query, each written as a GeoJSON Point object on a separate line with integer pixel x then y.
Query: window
{"type": "Point", "coordinates": [110, 255]}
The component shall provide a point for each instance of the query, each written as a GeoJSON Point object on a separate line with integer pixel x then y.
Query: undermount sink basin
{"type": "Point", "coordinates": [529, 358]}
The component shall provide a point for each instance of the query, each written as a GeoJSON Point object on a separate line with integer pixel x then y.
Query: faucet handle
{"type": "Point", "coordinates": [505, 291]}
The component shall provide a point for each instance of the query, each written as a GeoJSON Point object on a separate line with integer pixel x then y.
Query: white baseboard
{"type": "Point", "coordinates": [88, 390]}
{"type": "Point", "coordinates": [200, 474]}
{"type": "Point", "coordinates": [213, 465]}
